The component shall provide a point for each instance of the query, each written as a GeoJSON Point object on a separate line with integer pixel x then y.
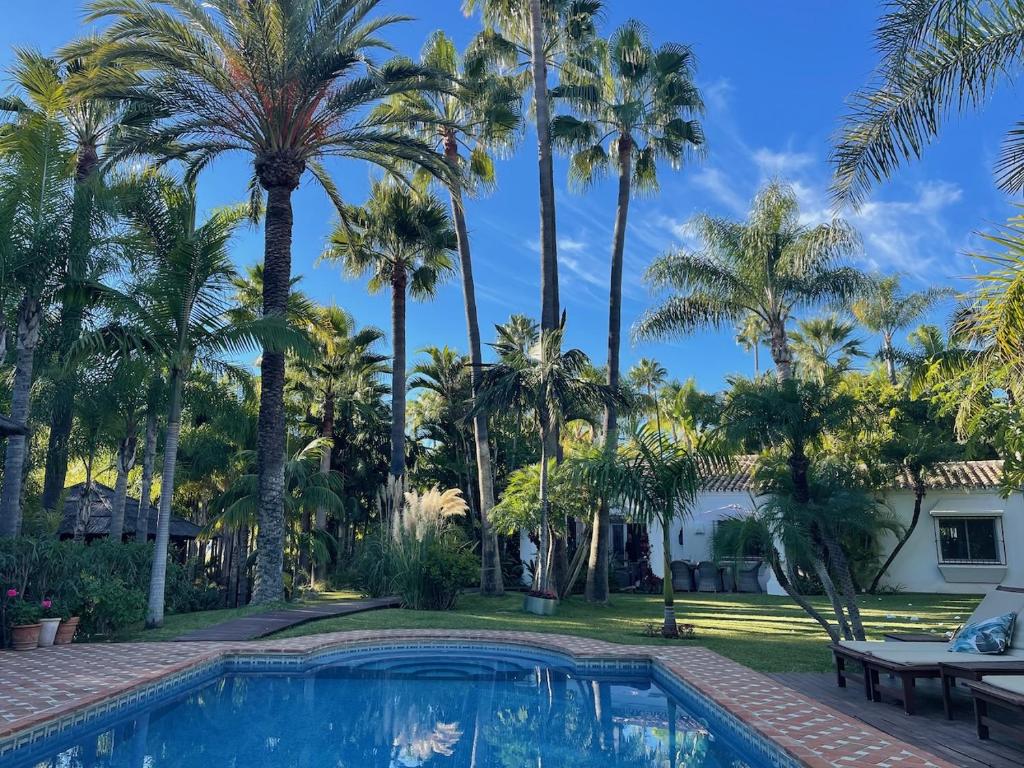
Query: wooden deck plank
{"type": "Point", "coordinates": [953, 740]}
{"type": "Point", "coordinates": [258, 625]}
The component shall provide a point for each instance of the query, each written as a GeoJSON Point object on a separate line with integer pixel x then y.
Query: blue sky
{"type": "Point", "coordinates": [774, 76]}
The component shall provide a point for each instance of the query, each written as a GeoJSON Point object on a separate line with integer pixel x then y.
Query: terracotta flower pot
{"type": "Point", "coordinates": [66, 631]}
{"type": "Point", "coordinates": [47, 631]}
{"type": "Point", "coordinates": [25, 637]}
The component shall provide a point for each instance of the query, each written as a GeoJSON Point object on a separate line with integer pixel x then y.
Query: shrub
{"type": "Point", "coordinates": [109, 606]}
{"type": "Point", "coordinates": [419, 554]}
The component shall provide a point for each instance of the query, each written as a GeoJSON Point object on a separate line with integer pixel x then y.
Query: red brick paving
{"type": "Point", "coordinates": [45, 684]}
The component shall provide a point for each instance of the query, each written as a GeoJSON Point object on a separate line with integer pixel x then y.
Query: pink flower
{"type": "Point", "coordinates": [12, 592]}
{"type": "Point", "coordinates": [47, 604]}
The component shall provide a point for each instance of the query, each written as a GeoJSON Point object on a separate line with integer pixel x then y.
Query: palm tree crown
{"type": "Point", "coordinates": [769, 265]}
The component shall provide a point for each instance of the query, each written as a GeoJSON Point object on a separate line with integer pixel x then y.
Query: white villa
{"type": "Point", "coordinates": [968, 539]}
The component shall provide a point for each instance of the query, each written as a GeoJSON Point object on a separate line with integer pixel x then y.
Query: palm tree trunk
{"type": "Point", "coordinates": [841, 566]}
{"type": "Point", "coordinates": [279, 180]}
{"type": "Point", "coordinates": [29, 318]}
{"type": "Point", "coordinates": [669, 629]}
{"type": "Point", "coordinates": [782, 356]}
{"type": "Point", "coordinates": [70, 328]}
{"type": "Point", "coordinates": [542, 549]}
{"type": "Point", "coordinates": [398, 287]}
{"type": "Point", "coordinates": [890, 362]}
{"type": "Point", "coordinates": [548, 236]}
{"type": "Point", "coordinates": [490, 562]}
{"type": "Point", "coordinates": [158, 575]}
{"type": "Point", "coordinates": [833, 597]}
{"type": "Point", "coordinates": [919, 494]}
{"type": "Point", "coordinates": [789, 586]}
{"type": "Point", "coordinates": [327, 433]}
{"type": "Point", "coordinates": [597, 569]}
{"type": "Point", "coordinates": [84, 511]}
{"type": "Point", "coordinates": [126, 449]}
{"type": "Point", "coordinates": [146, 485]}
{"type": "Point", "coordinates": [757, 361]}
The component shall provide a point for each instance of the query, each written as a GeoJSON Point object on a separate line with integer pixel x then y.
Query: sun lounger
{"type": "Point", "coordinates": [1005, 692]}
{"type": "Point", "coordinates": [909, 662]}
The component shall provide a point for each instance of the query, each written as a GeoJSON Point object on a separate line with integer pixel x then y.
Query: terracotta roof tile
{"type": "Point", "coordinates": [948, 474]}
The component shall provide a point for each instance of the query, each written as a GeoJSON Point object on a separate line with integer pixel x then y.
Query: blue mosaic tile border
{"type": "Point", "coordinates": [711, 715]}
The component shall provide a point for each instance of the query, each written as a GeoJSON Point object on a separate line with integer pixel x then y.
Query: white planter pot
{"type": "Point", "coordinates": [47, 632]}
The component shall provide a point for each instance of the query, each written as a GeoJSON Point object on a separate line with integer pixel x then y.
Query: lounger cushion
{"type": "Point", "coordinates": [1012, 683]}
{"type": "Point", "coordinates": [870, 646]}
{"type": "Point", "coordinates": [991, 636]}
{"type": "Point", "coordinates": [996, 603]}
{"type": "Point", "coordinates": [937, 656]}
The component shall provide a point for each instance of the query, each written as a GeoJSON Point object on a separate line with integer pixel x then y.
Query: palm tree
{"type": "Point", "coordinates": [648, 376]}
{"type": "Point", "coordinates": [750, 334]}
{"type": "Point", "coordinates": [342, 351]}
{"type": "Point", "coordinates": [768, 266]}
{"type": "Point", "coordinates": [154, 404]}
{"type": "Point", "coordinates": [177, 312]}
{"type": "Point", "coordinates": [35, 206]}
{"type": "Point", "coordinates": [823, 347]}
{"type": "Point", "coordinates": [652, 479]}
{"type": "Point", "coordinates": [524, 38]}
{"type": "Point", "coordinates": [549, 383]}
{"type": "Point", "coordinates": [637, 101]}
{"type": "Point", "coordinates": [938, 56]}
{"type": "Point", "coordinates": [128, 405]}
{"type": "Point", "coordinates": [92, 125]}
{"type": "Point", "coordinates": [479, 115]}
{"type": "Point", "coordinates": [405, 242]}
{"type": "Point", "coordinates": [885, 309]}
{"type": "Point", "coordinates": [289, 84]}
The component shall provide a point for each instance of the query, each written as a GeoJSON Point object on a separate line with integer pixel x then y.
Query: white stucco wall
{"type": "Point", "coordinates": [698, 527]}
{"type": "Point", "coordinates": [917, 568]}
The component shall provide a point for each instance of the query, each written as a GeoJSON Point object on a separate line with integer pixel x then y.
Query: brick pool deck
{"type": "Point", "coordinates": [41, 687]}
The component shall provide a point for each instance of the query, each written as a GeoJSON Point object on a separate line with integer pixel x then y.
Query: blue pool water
{"type": "Point", "coordinates": [442, 708]}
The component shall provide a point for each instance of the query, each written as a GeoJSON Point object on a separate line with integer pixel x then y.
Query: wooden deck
{"type": "Point", "coordinates": [953, 740]}
{"type": "Point", "coordinates": [258, 625]}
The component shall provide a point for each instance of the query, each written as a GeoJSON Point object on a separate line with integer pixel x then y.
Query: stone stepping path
{"type": "Point", "coordinates": [257, 625]}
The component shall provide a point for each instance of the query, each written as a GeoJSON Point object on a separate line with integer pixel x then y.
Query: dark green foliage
{"type": "Point", "coordinates": [103, 583]}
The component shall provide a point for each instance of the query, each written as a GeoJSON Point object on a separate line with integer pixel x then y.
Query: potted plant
{"type": "Point", "coordinates": [23, 617]}
{"type": "Point", "coordinates": [541, 603]}
{"type": "Point", "coordinates": [68, 627]}
{"type": "Point", "coordinates": [49, 621]}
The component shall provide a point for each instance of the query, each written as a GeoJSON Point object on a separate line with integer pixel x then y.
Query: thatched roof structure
{"type": "Point", "coordinates": [102, 501]}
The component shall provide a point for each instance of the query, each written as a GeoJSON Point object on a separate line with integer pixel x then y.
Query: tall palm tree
{"type": "Point", "coordinates": [287, 82]}
{"type": "Point", "coordinates": [638, 102]}
{"type": "Point", "coordinates": [128, 406]}
{"type": "Point", "coordinates": [885, 309]}
{"type": "Point", "coordinates": [92, 125]}
{"type": "Point", "coordinates": [405, 242]}
{"type": "Point", "coordinates": [479, 115]}
{"type": "Point", "coordinates": [750, 334]}
{"type": "Point", "coordinates": [768, 266]}
{"type": "Point", "coordinates": [35, 206]}
{"type": "Point", "coordinates": [653, 480]}
{"type": "Point", "coordinates": [343, 352]}
{"type": "Point", "coordinates": [177, 312]}
{"type": "Point", "coordinates": [824, 347]}
{"type": "Point", "coordinates": [549, 383]}
{"type": "Point", "coordinates": [938, 56]}
{"type": "Point", "coordinates": [648, 376]}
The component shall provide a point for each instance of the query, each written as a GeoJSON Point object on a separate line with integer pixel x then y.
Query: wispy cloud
{"type": "Point", "coordinates": [784, 163]}
{"type": "Point", "coordinates": [720, 186]}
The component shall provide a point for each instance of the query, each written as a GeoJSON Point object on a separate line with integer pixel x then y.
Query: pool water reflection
{"type": "Point", "coordinates": [405, 712]}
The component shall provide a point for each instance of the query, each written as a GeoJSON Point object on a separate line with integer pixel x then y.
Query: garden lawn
{"type": "Point", "coordinates": [767, 633]}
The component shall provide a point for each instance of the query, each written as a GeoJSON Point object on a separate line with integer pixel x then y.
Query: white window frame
{"type": "Point", "coordinates": [997, 523]}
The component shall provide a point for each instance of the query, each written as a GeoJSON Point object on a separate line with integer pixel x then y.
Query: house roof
{"type": "Point", "coordinates": [9, 426]}
{"type": "Point", "coordinates": [99, 514]}
{"type": "Point", "coordinates": [945, 475]}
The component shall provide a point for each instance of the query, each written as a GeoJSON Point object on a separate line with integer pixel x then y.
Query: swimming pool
{"type": "Point", "coordinates": [402, 707]}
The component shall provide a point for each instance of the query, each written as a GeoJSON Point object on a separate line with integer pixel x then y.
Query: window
{"type": "Point", "coordinates": [969, 540]}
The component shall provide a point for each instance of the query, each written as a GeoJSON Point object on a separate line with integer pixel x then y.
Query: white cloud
{"type": "Point", "coordinates": [784, 163]}
{"type": "Point", "coordinates": [713, 181]}
{"type": "Point", "coordinates": [568, 244]}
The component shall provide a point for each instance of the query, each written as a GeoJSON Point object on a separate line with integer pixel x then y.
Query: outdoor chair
{"type": "Point", "coordinates": [908, 662]}
{"type": "Point", "coordinates": [709, 577]}
{"type": "Point", "coordinates": [728, 579]}
{"type": "Point", "coordinates": [682, 576]}
{"type": "Point", "coordinates": [1005, 692]}
{"type": "Point", "coordinates": [746, 577]}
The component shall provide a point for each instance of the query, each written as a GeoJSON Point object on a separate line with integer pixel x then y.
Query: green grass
{"type": "Point", "coordinates": [764, 632]}
{"type": "Point", "coordinates": [179, 624]}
